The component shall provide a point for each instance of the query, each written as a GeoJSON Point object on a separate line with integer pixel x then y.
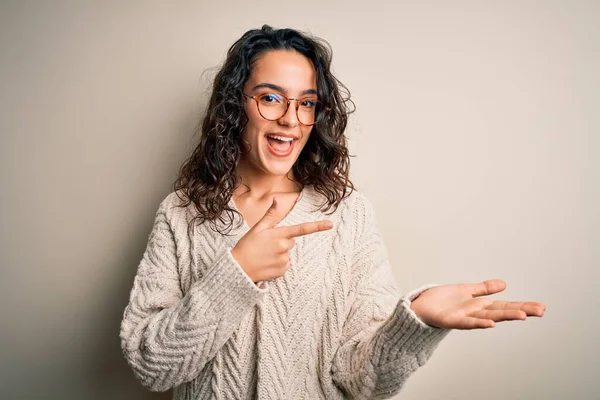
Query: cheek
{"type": "Point", "coordinates": [253, 128]}
{"type": "Point", "coordinates": [306, 132]}
{"type": "Point", "coordinates": [251, 111]}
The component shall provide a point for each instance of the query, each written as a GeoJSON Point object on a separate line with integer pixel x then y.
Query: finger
{"type": "Point", "coordinates": [284, 260]}
{"type": "Point", "coordinates": [488, 287]}
{"type": "Point", "coordinates": [534, 308]}
{"type": "Point", "coordinates": [473, 323]}
{"type": "Point", "coordinates": [531, 308]}
{"type": "Point", "coordinates": [500, 315]}
{"type": "Point", "coordinates": [285, 267]}
{"type": "Point", "coordinates": [304, 229]}
{"type": "Point", "coordinates": [270, 219]}
{"type": "Point", "coordinates": [284, 245]}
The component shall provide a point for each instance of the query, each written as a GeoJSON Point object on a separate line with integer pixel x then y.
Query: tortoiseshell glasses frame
{"type": "Point", "coordinates": [273, 106]}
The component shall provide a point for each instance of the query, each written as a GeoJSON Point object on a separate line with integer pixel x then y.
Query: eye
{"type": "Point", "coordinates": [271, 98]}
{"type": "Point", "coordinates": [309, 103]}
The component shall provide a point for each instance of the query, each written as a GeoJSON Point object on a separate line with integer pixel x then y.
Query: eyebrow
{"type": "Point", "coordinates": [282, 90]}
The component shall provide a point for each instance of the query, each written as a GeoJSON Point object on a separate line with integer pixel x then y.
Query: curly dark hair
{"type": "Point", "coordinates": [208, 177]}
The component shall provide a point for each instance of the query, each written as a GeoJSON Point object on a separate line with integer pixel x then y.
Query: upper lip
{"type": "Point", "coordinates": [286, 135]}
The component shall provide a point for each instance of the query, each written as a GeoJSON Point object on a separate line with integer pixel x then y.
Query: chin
{"type": "Point", "coordinates": [276, 166]}
{"type": "Point", "coordinates": [279, 169]}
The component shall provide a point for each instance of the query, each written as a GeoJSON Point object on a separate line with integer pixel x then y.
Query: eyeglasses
{"type": "Point", "coordinates": [273, 106]}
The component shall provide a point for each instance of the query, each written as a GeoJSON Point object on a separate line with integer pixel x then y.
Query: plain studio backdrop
{"type": "Point", "coordinates": [476, 137]}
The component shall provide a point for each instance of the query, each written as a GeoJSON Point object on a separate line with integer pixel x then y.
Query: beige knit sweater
{"type": "Point", "coordinates": [333, 327]}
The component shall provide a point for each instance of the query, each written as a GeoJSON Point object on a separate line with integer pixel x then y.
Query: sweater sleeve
{"type": "Point", "coordinates": [168, 336]}
{"type": "Point", "coordinates": [383, 341]}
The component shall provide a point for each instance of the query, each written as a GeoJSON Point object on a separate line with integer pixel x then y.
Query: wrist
{"type": "Point", "coordinates": [417, 305]}
{"type": "Point", "coordinates": [237, 257]}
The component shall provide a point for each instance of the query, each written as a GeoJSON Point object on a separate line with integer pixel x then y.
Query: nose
{"type": "Point", "coordinates": [290, 118]}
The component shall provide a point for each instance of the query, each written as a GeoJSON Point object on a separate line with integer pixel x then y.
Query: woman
{"type": "Point", "coordinates": [265, 275]}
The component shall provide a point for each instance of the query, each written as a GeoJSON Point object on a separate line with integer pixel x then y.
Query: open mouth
{"type": "Point", "coordinates": [280, 145]}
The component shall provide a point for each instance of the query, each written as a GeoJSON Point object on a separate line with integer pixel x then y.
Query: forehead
{"type": "Point", "coordinates": [288, 69]}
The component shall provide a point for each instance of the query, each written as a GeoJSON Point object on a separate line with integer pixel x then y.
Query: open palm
{"type": "Point", "coordinates": [461, 306]}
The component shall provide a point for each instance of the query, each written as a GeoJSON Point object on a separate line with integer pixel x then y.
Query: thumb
{"type": "Point", "coordinates": [488, 287]}
{"type": "Point", "coordinates": [269, 220]}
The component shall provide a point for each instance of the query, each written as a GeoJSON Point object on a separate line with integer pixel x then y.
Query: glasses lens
{"type": "Point", "coordinates": [308, 110]}
{"type": "Point", "coordinates": [273, 106]}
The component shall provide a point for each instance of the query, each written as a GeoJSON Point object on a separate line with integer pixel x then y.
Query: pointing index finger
{"type": "Point", "coordinates": [306, 228]}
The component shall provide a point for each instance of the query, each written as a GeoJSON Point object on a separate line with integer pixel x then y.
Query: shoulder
{"type": "Point", "coordinates": [173, 201]}
{"type": "Point", "coordinates": [358, 205]}
{"type": "Point", "coordinates": [359, 199]}
{"type": "Point", "coordinates": [182, 214]}
{"type": "Point", "coordinates": [176, 209]}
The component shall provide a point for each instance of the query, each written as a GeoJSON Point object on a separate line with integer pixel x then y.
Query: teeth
{"type": "Point", "coordinates": [282, 138]}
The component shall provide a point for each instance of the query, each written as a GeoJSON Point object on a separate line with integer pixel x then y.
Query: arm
{"type": "Point", "coordinates": [383, 341]}
{"type": "Point", "coordinates": [168, 336]}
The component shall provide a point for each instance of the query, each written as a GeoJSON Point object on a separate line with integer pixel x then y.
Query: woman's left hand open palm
{"type": "Point", "coordinates": [462, 307]}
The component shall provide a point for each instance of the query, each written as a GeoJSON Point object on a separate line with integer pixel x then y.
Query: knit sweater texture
{"type": "Point", "coordinates": [333, 327]}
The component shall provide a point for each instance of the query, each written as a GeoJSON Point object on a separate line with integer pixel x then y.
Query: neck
{"type": "Point", "coordinates": [261, 184]}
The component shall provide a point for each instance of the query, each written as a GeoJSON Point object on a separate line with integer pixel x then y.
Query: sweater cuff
{"type": "Point", "coordinates": [228, 289]}
{"type": "Point", "coordinates": [411, 296]}
{"type": "Point", "coordinates": [406, 333]}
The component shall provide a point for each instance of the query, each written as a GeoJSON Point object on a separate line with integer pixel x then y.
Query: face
{"type": "Point", "coordinates": [272, 147]}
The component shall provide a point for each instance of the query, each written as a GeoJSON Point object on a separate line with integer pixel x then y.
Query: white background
{"type": "Point", "coordinates": [476, 135]}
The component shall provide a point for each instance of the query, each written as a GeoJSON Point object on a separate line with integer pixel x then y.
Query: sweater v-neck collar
{"type": "Point", "coordinates": [304, 210]}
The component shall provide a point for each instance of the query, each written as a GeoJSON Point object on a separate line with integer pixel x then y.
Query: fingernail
{"type": "Point", "coordinates": [328, 224]}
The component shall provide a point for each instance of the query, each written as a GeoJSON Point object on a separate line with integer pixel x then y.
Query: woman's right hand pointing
{"type": "Point", "coordinates": [263, 252]}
